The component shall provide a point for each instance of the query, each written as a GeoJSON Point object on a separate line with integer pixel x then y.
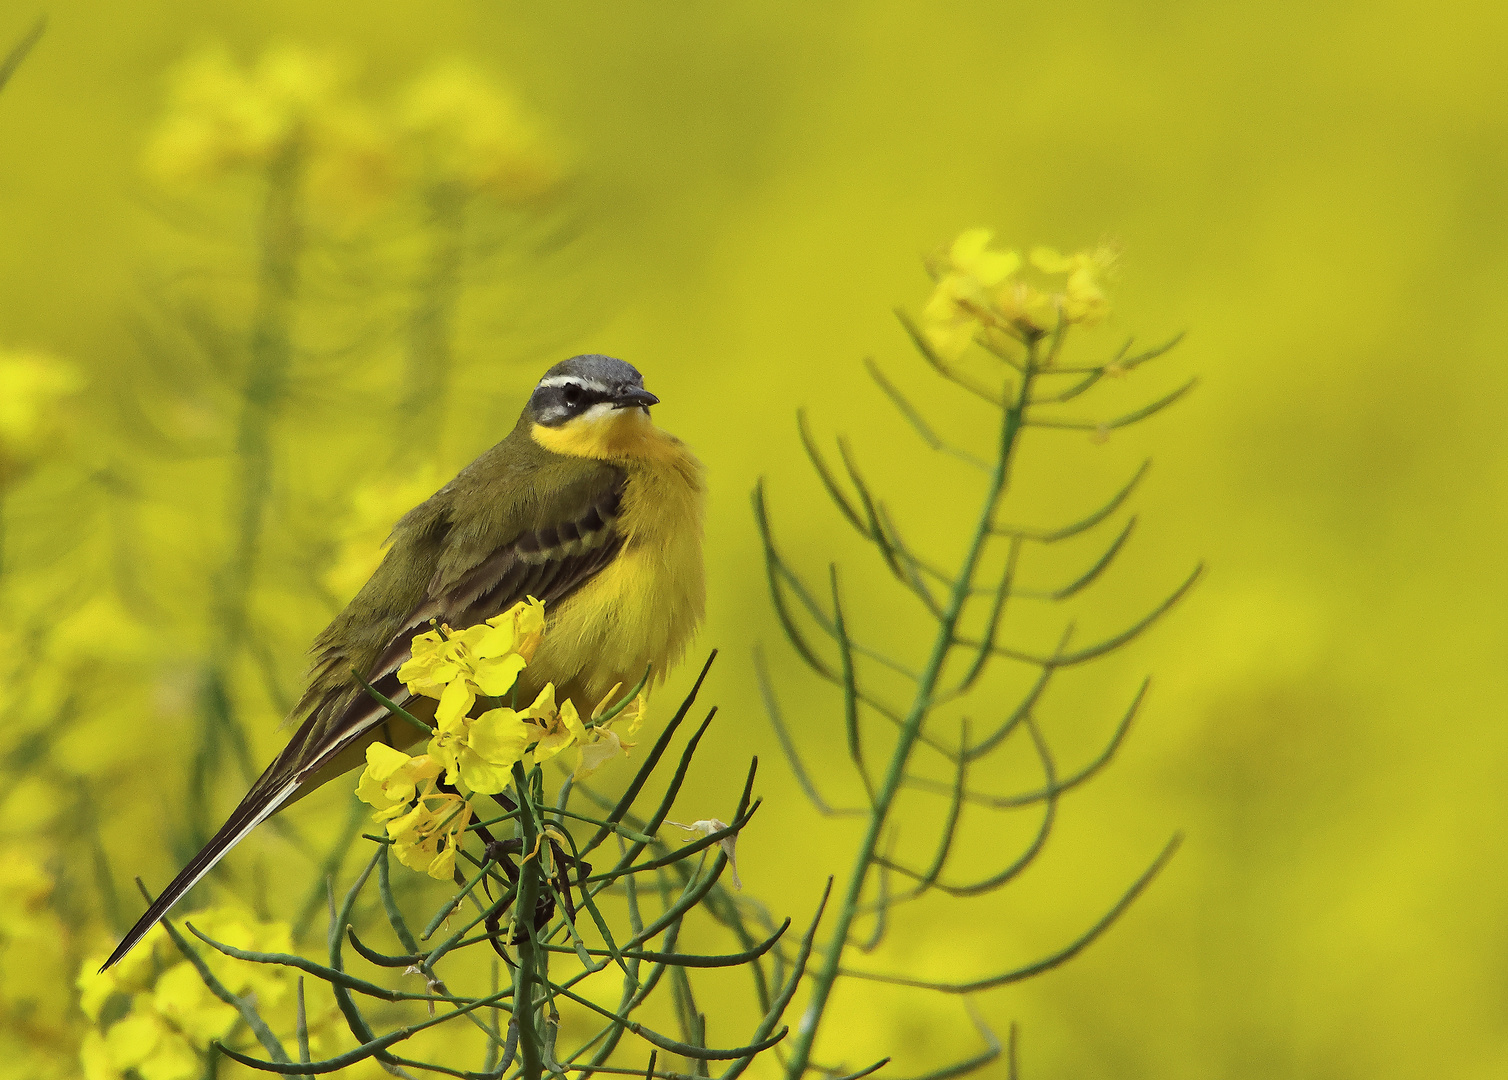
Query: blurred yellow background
{"type": "Point", "coordinates": [1316, 193]}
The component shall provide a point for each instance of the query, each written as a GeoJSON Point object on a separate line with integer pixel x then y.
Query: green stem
{"type": "Point", "coordinates": [427, 375]}
{"type": "Point", "coordinates": [266, 386]}
{"type": "Point", "coordinates": [524, 975]}
{"type": "Point", "coordinates": [280, 243]}
{"type": "Point", "coordinates": [911, 730]}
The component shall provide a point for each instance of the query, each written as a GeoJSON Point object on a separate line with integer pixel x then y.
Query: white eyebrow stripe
{"type": "Point", "coordinates": [576, 380]}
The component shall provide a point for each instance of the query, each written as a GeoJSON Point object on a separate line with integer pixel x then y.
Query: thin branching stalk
{"type": "Point", "coordinates": [966, 641]}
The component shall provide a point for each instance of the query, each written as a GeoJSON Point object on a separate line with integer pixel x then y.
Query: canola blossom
{"type": "Point", "coordinates": [424, 822]}
{"type": "Point", "coordinates": [465, 131]}
{"type": "Point", "coordinates": [979, 290]}
{"type": "Point", "coordinates": [291, 106]}
{"type": "Point", "coordinates": [423, 801]}
{"type": "Point", "coordinates": [36, 386]}
{"type": "Point", "coordinates": [152, 1015]}
{"type": "Point", "coordinates": [455, 666]}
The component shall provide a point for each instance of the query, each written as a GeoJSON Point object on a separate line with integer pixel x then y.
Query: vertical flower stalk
{"type": "Point", "coordinates": [1020, 312]}
{"type": "Point", "coordinates": [430, 359]}
{"type": "Point", "coordinates": [466, 142]}
{"type": "Point", "coordinates": [33, 390]}
{"type": "Point", "coordinates": [285, 122]}
{"type": "Point", "coordinates": [281, 238]}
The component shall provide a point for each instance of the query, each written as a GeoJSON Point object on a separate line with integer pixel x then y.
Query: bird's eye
{"type": "Point", "coordinates": [572, 394]}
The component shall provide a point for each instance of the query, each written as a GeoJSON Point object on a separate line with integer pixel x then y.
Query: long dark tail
{"type": "Point", "coordinates": [317, 752]}
{"type": "Point", "coordinates": [260, 804]}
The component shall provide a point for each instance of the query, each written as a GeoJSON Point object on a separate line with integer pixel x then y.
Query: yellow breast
{"type": "Point", "coordinates": [642, 609]}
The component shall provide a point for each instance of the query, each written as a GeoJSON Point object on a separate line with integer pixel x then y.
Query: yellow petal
{"type": "Point", "coordinates": [544, 705]}
{"type": "Point", "coordinates": [174, 1059]}
{"type": "Point", "coordinates": [373, 792]}
{"type": "Point", "coordinates": [94, 986]}
{"type": "Point", "coordinates": [443, 866]}
{"type": "Point", "coordinates": [455, 702]}
{"type": "Point", "coordinates": [993, 267]}
{"type": "Point", "coordinates": [181, 996]}
{"type": "Point", "coordinates": [445, 749]}
{"type": "Point", "coordinates": [596, 754]}
{"type": "Point", "coordinates": [383, 761]}
{"type": "Point", "coordinates": [949, 340]}
{"type": "Point", "coordinates": [531, 628]}
{"type": "Point", "coordinates": [405, 830]}
{"type": "Point", "coordinates": [1049, 261]}
{"type": "Point", "coordinates": [495, 677]}
{"type": "Point", "coordinates": [499, 736]}
{"type": "Point", "coordinates": [571, 720]}
{"type": "Point", "coordinates": [483, 776]}
{"type": "Point", "coordinates": [132, 1039]}
{"type": "Point", "coordinates": [968, 246]}
{"type": "Point", "coordinates": [552, 744]}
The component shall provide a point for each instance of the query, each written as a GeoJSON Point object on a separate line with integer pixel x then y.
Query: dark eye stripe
{"type": "Point", "coordinates": [551, 405]}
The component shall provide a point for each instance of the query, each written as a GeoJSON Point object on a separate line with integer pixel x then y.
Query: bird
{"type": "Point", "coordinates": [586, 506]}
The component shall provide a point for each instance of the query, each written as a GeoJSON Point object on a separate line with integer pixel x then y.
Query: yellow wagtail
{"type": "Point", "coordinates": [586, 506]}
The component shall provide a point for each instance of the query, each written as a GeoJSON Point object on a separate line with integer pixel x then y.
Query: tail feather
{"type": "Point", "coordinates": [256, 808]}
{"type": "Point", "coordinates": [299, 769]}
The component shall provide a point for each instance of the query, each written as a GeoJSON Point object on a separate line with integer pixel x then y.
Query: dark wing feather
{"type": "Point", "coordinates": [548, 562]}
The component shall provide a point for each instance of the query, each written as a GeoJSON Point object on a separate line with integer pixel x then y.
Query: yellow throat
{"type": "Point", "coordinates": [643, 608]}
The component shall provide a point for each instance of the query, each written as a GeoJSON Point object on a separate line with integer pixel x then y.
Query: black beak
{"type": "Point", "coordinates": [630, 398]}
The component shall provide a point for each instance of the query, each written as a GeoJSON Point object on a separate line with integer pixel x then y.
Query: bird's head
{"type": "Point", "coordinates": [590, 406]}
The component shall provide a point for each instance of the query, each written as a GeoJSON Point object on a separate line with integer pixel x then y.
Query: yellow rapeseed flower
{"type": "Point", "coordinates": [1083, 298]}
{"type": "Point", "coordinates": [292, 104]}
{"type": "Point", "coordinates": [559, 728]}
{"type": "Point", "coordinates": [480, 752]}
{"type": "Point", "coordinates": [1028, 307]}
{"type": "Point", "coordinates": [970, 255]}
{"type": "Point", "coordinates": [979, 288]}
{"type": "Point", "coordinates": [971, 269]}
{"type": "Point", "coordinates": [454, 667]}
{"type": "Point", "coordinates": [144, 1042]}
{"type": "Point", "coordinates": [466, 131]}
{"type": "Point", "coordinates": [424, 823]}
{"type": "Point", "coordinates": [167, 1017]}
{"type": "Point", "coordinates": [32, 389]}
{"type": "Point", "coordinates": [392, 779]}
{"type": "Point", "coordinates": [426, 838]}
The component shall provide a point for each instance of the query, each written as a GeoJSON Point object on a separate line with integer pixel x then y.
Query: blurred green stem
{"type": "Point", "coordinates": [432, 326]}
{"type": "Point", "coordinates": [280, 244]}
{"type": "Point", "coordinates": [927, 683]}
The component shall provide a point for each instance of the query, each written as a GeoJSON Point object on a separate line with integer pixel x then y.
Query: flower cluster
{"type": "Point", "coordinates": [426, 824]}
{"type": "Point", "coordinates": [292, 103]}
{"type": "Point", "coordinates": [424, 800]}
{"type": "Point", "coordinates": [152, 1016]}
{"type": "Point", "coordinates": [452, 126]}
{"type": "Point", "coordinates": [981, 289]}
{"type": "Point", "coordinates": [461, 129]}
{"type": "Point", "coordinates": [32, 387]}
